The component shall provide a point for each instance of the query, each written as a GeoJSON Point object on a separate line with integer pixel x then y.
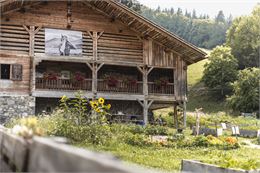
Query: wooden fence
{"type": "Point", "coordinates": [46, 155]}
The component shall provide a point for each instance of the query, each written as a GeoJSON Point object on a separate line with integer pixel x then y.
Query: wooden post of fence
{"type": "Point", "coordinates": [197, 121]}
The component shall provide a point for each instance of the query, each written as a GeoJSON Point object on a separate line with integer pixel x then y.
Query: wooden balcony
{"type": "Point", "coordinates": [120, 87]}
{"type": "Point", "coordinates": [63, 84]}
{"type": "Point", "coordinates": [167, 89]}
{"type": "Point", "coordinates": [103, 86]}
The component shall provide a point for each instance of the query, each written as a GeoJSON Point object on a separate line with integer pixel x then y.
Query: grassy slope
{"type": "Point", "coordinates": [198, 96]}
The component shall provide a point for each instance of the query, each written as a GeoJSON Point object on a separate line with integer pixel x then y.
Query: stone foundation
{"type": "Point", "coordinates": [16, 106]}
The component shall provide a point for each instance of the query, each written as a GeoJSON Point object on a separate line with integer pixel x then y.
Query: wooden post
{"type": "Point", "coordinates": [32, 31]}
{"type": "Point", "coordinates": [95, 45]}
{"type": "Point", "coordinates": [145, 111]}
{"type": "Point", "coordinates": [197, 129]}
{"type": "Point", "coordinates": [175, 116]}
{"type": "Point", "coordinates": [94, 67]}
{"type": "Point", "coordinates": [184, 115]}
{"type": "Point", "coordinates": [145, 104]}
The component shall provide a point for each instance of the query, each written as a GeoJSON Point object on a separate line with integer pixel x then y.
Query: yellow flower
{"type": "Point", "coordinates": [108, 106]}
{"type": "Point", "coordinates": [101, 100]}
{"type": "Point", "coordinates": [97, 110]}
{"type": "Point", "coordinates": [64, 97]}
{"type": "Point", "coordinates": [93, 104]}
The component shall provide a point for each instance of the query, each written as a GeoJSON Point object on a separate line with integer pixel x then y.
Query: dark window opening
{"type": "Point", "coordinates": [5, 71]}
{"type": "Point", "coordinates": [48, 109]}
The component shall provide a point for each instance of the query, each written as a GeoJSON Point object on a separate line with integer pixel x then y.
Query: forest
{"type": "Point", "coordinates": [200, 30]}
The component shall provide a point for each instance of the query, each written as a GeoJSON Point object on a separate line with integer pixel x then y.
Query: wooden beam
{"type": "Point", "coordinates": [140, 102]}
{"type": "Point", "coordinates": [99, 66]}
{"type": "Point", "coordinates": [100, 34]}
{"type": "Point", "coordinates": [95, 45]}
{"type": "Point", "coordinates": [150, 69]}
{"type": "Point", "coordinates": [90, 66]}
{"type": "Point", "coordinates": [90, 34]}
{"type": "Point", "coordinates": [150, 103]}
{"type": "Point", "coordinates": [140, 69]}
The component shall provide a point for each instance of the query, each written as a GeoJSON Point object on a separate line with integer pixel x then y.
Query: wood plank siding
{"type": "Point", "coordinates": [148, 62]}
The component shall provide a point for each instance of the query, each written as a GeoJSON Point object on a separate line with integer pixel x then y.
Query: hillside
{"type": "Point", "coordinates": [198, 96]}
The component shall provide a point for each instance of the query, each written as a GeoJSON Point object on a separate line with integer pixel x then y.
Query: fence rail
{"type": "Point", "coordinates": [63, 84]}
{"type": "Point", "coordinates": [46, 155]}
{"type": "Point", "coordinates": [120, 87]}
{"type": "Point", "coordinates": [154, 88]}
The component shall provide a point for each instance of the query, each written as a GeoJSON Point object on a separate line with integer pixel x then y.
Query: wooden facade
{"type": "Point", "coordinates": [116, 42]}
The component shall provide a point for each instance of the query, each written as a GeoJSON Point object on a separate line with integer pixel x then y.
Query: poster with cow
{"type": "Point", "coordinates": [63, 42]}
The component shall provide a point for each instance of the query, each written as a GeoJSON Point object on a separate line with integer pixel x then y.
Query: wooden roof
{"type": "Point", "coordinates": [133, 20]}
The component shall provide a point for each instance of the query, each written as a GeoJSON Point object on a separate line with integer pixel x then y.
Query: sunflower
{"type": "Point", "coordinates": [93, 104]}
{"type": "Point", "coordinates": [101, 100]}
{"type": "Point", "coordinates": [108, 106]}
{"type": "Point", "coordinates": [97, 110]}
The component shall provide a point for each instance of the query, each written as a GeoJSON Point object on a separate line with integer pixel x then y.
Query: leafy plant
{"type": "Point", "coordinates": [221, 70]}
{"type": "Point", "coordinates": [246, 91]}
{"type": "Point", "coordinates": [82, 111]}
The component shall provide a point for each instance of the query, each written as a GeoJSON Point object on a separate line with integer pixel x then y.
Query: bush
{"type": "Point", "coordinates": [137, 129]}
{"type": "Point", "coordinates": [136, 139]}
{"type": "Point", "coordinates": [246, 91]}
{"type": "Point", "coordinates": [258, 140]}
{"type": "Point", "coordinates": [201, 141]}
{"type": "Point", "coordinates": [156, 130]}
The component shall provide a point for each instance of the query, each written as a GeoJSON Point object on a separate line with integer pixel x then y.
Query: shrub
{"type": "Point", "coordinates": [136, 139]}
{"type": "Point", "coordinates": [82, 111]}
{"type": "Point", "coordinates": [201, 141]}
{"type": "Point", "coordinates": [246, 91]}
{"type": "Point", "coordinates": [258, 140]}
{"type": "Point", "coordinates": [137, 129]}
{"type": "Point", "coordinates": [156, 130]}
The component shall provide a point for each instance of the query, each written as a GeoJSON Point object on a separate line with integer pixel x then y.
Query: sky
{"type": "Point", "coordinates": [210, 7]}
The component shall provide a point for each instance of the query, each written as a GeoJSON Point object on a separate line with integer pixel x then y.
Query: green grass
{"type": "Point", "coordinates": [169, 159]}
{"type": "Point", "coordinates": [195, 72]}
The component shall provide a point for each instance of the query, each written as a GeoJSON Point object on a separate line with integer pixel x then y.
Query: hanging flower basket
{"type": "Point", "coordinates": [78, 76]}
{"type": "Point", "coordinates": [162, 82]}
{"type": "Point", "coordinates": [111, 81]}
{"type": "Point", "coordinates": [51, 76]}
{"type": "Point", "coordinates": [130, 81]}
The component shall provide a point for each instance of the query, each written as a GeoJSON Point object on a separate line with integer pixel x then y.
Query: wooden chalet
{"type": "Point", "coordinates": [133, 63]}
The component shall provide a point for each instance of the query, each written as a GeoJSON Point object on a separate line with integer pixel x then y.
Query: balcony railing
{"type": "Point", "coordinates": [120, 87]}
{"type": "Point", "coordinates": [63, 84]}
{"type": "Point", "coordinates": [104, 86]}
{"type": "Point", "coordinates": [167, 89]}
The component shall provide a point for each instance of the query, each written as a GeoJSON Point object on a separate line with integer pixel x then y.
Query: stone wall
{"type": "Point", "coordinates": [11, 106]}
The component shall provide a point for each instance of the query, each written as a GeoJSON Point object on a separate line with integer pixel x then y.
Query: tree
{"type": "Point", "coordinates": [244, 39]}
{"type": "Point", "coordinates": [202, 32]}
{"type": "Point", "coordinates": [246, 91]}
{"type": "Point", "coordinates": [179, 12]}
{"type": "Point", "coordinates": [133, 4]}
{"type": "Point", "coordinates": [221, 70]}
{"type": "Point", "coordinates": [194, 16]}
{"type": "Point", "coordinates": [220, 17]}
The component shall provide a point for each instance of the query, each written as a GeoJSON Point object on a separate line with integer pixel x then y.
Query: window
{"type": "Point", "coordinates": [5, 71]}
{"type": "Point", "coordinates": [17, 72]}
{"type": "Point", "coordinates": [13, 72]}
